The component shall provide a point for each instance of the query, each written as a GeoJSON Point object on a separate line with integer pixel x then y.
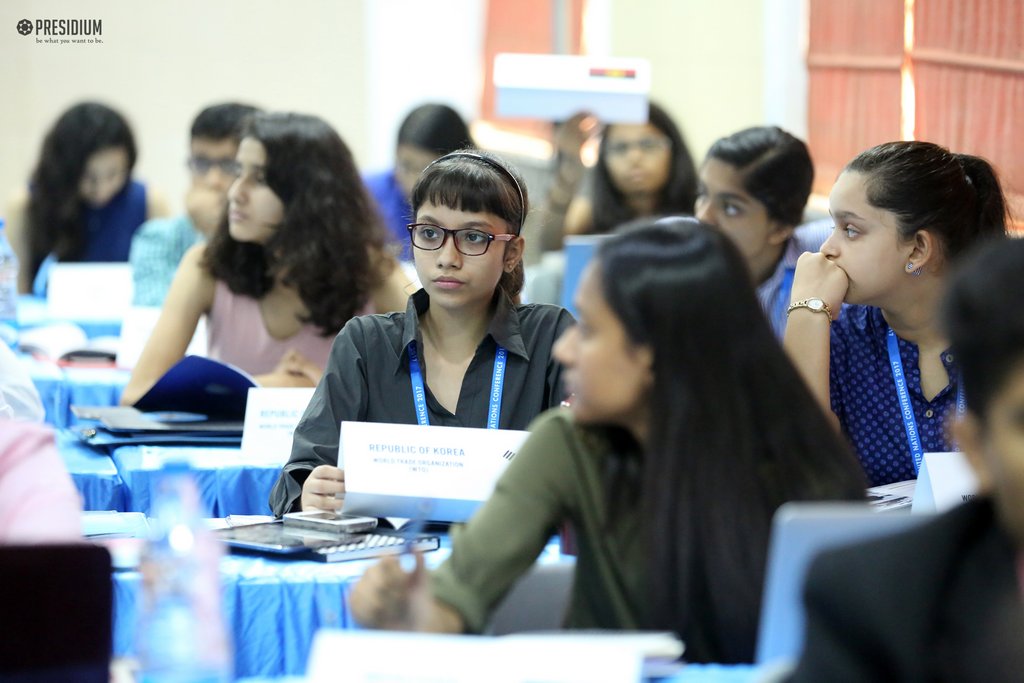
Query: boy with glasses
{"type": "Point", "coordinates": [159, 244]}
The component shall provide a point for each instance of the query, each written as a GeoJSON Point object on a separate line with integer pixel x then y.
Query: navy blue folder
{"type": "Point", "coordinates": [200, 385]}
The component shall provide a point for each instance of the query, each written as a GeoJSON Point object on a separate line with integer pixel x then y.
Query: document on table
{"type": "Point", "coordinates": [569, 657]}
{"type": "Point", "coordinates": [895, 496]}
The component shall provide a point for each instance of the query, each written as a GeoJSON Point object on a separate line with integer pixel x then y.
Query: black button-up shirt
{"type": "Point", "coordinates": [367, 380]}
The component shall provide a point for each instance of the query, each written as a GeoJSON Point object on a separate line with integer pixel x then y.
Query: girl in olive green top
{"type": "Point", "coordinates": [689, 427]}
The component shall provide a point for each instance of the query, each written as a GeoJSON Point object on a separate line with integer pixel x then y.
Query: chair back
{"type": "Point", "coordinates": [537, 602]}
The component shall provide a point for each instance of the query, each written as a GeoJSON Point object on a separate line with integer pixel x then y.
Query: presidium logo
{"type": "Point", "coordinates": [63, 31]}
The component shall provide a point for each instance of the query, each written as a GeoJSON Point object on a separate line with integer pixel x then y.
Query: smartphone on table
{"type": "Point", "coordinates": [331, 522]}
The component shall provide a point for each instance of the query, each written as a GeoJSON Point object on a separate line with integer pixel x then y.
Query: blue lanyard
{"type": "Point", "coordinates": [906, 409]}
{"type": "Point", "coordinates": [419, 394]}
{"type": "Point", "coordinates": [785, 291]}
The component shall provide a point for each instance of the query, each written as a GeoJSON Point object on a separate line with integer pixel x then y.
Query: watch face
{"type": "Point", "coordinates": [815, 304]}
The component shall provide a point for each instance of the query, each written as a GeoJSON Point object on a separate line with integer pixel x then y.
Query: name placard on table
{"type": "Point", "coordinates": [554, 87]}
{"type": "Point", "coordinates": [89, 291]}
{"type": "Point", "coordinates": [271, 415]}
{"type": "Point", "coordinates": [422, 471]}
{"type": "Point", "coordinates": [137, 326]}
{"type": "Point", "coordinates": [371, 656]}
{"type": "Point", "coordinates": [945, 481]}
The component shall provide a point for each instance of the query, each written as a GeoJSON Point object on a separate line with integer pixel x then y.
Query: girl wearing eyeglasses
{"type": "Point", "coordinates": [642, 170]}
{"type": "Point", "coordinates": [688, 428]}
{"type": "Point", "coordinates": [301, 252]}
{"type": "Point", "coordinates": [462, 354]}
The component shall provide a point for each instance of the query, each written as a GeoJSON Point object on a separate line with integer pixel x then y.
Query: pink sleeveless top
{"type": "Point", "coordinates": [236, 335]}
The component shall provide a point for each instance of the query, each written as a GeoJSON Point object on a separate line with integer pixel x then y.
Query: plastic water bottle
{"type": "Point", "coordinates": [181, 636]}
{"type": "Point", "coordinates": [8, 292]}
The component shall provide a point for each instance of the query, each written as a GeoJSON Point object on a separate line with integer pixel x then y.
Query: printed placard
{"type": "Point", "coordinates": [428, 658]}
{"type": "Point", "coordinates": [271, 415]}
{"type": "Point", "coordinates": [89, 291]}
{"type": "Point", "coordinates": [136, 328]}
{"type": "Point", "coordinates": [945, 481]}
{"type": "Point", "coordinates": [554, 87]}
{"type": "Point", "coordinates": [422, 471]}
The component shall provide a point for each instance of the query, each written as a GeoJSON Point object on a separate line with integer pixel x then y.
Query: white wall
{"type": "Point", "coordinates": [160, 62]}
{"type": "Point", "coordinates": [785, 65]}
{"type": "Point", "coordinates": [362, 64]}
{"type": "Point", "coordinates": [409, 63]}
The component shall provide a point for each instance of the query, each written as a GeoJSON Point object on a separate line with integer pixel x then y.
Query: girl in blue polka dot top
{"type": "Point", "coordinates": [903, 212]}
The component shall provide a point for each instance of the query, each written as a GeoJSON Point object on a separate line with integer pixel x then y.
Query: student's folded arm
{"type": "Point", "coordinates": [190, 296]}
{"type": "Point", "coordinates": [807, 339]}
{"type": "Point", "coordinates": [505, 536]}
{"type": "Point", "coordinates": [342, 394]}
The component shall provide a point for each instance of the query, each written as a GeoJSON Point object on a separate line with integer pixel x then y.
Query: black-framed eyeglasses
{"type": "Point", "coordinates": [203, 165]}
{"type": "Point", "coordinates": [469, 241]}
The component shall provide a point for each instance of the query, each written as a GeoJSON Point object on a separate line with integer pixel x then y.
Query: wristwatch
{"type": "Point", "coordinates": [815, 304]}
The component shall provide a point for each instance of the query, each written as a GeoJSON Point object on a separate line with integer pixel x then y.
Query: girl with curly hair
{"type": "Point", "coordinates": [301, 252]}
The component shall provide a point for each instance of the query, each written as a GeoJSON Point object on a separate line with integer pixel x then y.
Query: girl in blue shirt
{"type": "Point", "coordinates": [904, 212]}
{"type": "Point", "coordinates": [82, 203]}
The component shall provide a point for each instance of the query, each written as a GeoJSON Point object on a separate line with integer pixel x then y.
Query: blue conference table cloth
{"type": "Point", "coordinates": [90, 386]}
{"type": "Point", "coordinates": [273, 607]}
{"type": "Point", "coordinates": [93, 472]}
{"type": "Point", "coordinates": [228, 482]}
{"type": "Point", "coordinates": [33, 311]}
{"type": "Point", "coordinates": [61, 387]}
{"type": "Point", "coordinates": [49, 381]}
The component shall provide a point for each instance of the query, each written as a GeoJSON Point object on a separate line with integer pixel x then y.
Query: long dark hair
{"type": "Point", "coordinates": [55, 222]}
{"type": "Point", "coordinates": [328, 244]}
{"type": "Point", "coordinates": [676, 197]}
{"type": "Point", "coordinates": [982, 315]}
{"type": "Point", "coordinates": [957, 197]}
{"type": "Point", "coordinates": [775, 168]}
{"type": "Point", "coordinates": [734, 432]}
{"type": "Point", "coordinates": [477, 181]}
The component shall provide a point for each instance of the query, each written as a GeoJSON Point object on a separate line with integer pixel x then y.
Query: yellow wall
{"type": "Point", "coordinates": [706, 61]}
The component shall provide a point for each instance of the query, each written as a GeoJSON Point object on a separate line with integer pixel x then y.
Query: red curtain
{"type": "Point", "coordinates": [969, 74]}
{"type": "Point", "coordinates": [523, 26]}
{"type": "Point", "coordinates": [854, 58]}
{"type": "Point", "coordinates": [966, 64]}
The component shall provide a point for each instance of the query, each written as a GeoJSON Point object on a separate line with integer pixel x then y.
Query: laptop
{"type": "Point", "coordinates": [56, 604]}
{"type": "Point", "coordinates": [288, 542]}
{"type": "Point", "coordinates": [579, 249]}
{"type": "Point", "coordinates": [800, 531]}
